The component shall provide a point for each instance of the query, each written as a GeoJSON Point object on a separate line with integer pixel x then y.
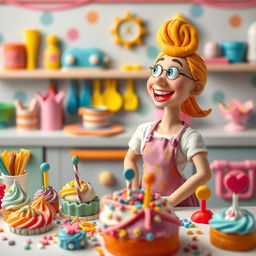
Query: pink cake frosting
{"type": "Point", "coordinates": [127, 218]}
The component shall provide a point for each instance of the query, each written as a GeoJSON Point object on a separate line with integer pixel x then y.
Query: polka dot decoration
{"type": "Point", "coordinates": [196, 10]}
{"type": "Point", "coordinates": [92, 17]}
{"type": "Point", "coordinates": [218, 96]}
{"type": "Point", "coordinates": [253, 81]}
{"type": "Point", "coordinates": [20, 95]}
{"type": "Point", "coordinates": [47, 19]}
{"type": "Point", "coordinates": [152, 52]}
{"type": "Point", "coordinates": [235, 21]}
{"type": "Point", "coordinates": [1, 38]}
{"type": "Point", "coordinates": [72, 34]}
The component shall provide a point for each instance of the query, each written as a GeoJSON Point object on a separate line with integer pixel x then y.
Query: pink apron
{"type": "Point", "coordinates": [160, 157]}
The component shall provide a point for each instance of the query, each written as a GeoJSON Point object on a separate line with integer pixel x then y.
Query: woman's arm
{"type": "Point", "coordinates": [202, 175]}
{"type": "Point", "coordinates": [130, 161]}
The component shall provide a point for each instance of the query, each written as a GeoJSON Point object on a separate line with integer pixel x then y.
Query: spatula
{"type": "Point", "coordinates": [97, 97]}
{"type": "Point", "coordinates": [113, 100]}
{"type": "Point", "coordinates": [72, 102]}
{"type": "Point", "coordinates": [85, 97]}
{"type": "Point", "coordinates": [130, 98]}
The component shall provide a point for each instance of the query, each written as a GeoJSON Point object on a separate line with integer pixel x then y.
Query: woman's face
{"type": "Point", "coordinates": [170, 83]}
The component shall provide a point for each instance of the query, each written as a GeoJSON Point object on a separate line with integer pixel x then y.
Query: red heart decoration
{"type": "Point", "coordinates": [236, 183]}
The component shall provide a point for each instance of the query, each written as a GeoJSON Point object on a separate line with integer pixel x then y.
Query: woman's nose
{"type": "Point", "coordinates": [161, 80]}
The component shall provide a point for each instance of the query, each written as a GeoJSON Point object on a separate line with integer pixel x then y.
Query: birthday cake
{"type": "Point", "coordinates": [50, 194]}
{"type": "Point", "coordinates": [139, 223]}
{"type": "Point", "coordinates": [78, 198]}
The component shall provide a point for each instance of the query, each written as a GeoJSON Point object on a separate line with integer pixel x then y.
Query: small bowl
{"type": "Point", "coordinates": [6, 113]}
{"type": "Point", "coordinates": [235, 51]}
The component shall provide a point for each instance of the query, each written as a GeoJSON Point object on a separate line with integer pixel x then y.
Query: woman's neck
{"type": "Point", "coordinates": [170, 122]}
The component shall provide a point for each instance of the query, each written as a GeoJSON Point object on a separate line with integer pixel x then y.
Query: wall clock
{"type": "Point", "coordinates": [128, 30]}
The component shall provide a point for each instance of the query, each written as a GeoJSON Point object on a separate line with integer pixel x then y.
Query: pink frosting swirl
{"type": "Point", "coordinates": [50, 195]}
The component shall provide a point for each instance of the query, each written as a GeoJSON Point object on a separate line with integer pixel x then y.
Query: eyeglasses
{"type": "Point", "coordinates": [171, 73]}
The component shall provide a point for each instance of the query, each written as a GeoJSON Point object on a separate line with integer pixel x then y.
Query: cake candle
{"type": "Point", "coordinates": [75, 161]}
{"type": "Point", "coordinates": [129, 175]}
{"type": "Point", "coordinates": [148, 179]}
{"type": "Point", "coordinates": [44, 167]}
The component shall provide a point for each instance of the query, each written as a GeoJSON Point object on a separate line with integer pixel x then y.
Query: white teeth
{"type": "Point", "coordinates": [161, 92]}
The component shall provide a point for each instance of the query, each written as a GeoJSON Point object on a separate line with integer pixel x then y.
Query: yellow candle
{"type": "Point", "coordinates": [45, 180]}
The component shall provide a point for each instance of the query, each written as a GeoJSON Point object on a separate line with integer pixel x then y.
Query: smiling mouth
{"type": "Point", "coordinates": [162, 95]}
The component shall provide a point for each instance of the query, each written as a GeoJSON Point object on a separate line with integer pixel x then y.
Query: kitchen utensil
{"type": "Point", "coordinates": [97, 97]}
{"type": "Point", "coordinates": [85, 97]}
{"type": "Point", "coordinates": [130, 97]}
{"type": "Point", "coordinates": [72, 102]}
{"type": "Point", "coordinates": [113, 100]}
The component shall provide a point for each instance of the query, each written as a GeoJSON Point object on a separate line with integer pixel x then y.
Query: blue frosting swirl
{"type": "Point", "coordinates": [244, 225]}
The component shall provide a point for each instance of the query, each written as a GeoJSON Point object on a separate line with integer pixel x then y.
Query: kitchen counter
{"type": "Point", "coordinates": [53, 249]}
{"type": "Point", "coordinates": [213, 136]}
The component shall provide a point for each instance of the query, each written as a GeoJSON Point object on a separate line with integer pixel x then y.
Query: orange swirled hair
{"type": "Point", "coordinates": [180, 39]}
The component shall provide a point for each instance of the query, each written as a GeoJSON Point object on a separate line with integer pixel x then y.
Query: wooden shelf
{"type": "Point", "coordinates": [84, 73]}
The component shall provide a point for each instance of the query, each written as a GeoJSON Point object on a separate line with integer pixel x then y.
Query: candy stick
{"type": "Point", "coordinates": [129, 175]}
{"type": "Point", "coordinates": [148, 179]}
{"type": "Point", "coordinates": [75, 161]}
{"type": "Point", "coordinates": [44, 167]}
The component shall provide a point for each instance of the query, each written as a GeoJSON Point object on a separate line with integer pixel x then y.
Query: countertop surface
{"type": "Point", "coordinates": [213, 136]}
{"type": "Point", "coordinates": [203, 243]}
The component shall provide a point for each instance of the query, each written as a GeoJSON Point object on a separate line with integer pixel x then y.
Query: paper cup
{"type": "Point", "coordinates": [21, 179]}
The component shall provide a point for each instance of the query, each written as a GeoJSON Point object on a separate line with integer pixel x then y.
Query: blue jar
{"type": "Point", "coordinates": [235, 51]}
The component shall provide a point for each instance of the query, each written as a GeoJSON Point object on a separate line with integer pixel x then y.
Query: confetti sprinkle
{"type": "Point", "coordinates": [4, 238]}
{"type": "Point", "coordinates": [189, 232]}
{"type": "Point", "coordinates": [11, 243]}
{"type": "Point", "coordinates": [199, 232]}
{"type": "Point", "coordinates": [28, 241]}
{"type": "Point", "coordinates": [27, 247]}
{"type": "Point", "coordinates": [1, 230]}
{"type": "Point", "coordinates": [194, 238]}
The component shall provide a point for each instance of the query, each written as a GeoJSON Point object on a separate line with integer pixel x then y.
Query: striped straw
{"type": "Point", "coordinates": [75, 161]}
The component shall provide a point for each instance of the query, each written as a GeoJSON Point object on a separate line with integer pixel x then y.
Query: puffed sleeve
{"type": "Point", "coordinates": [138, 138]}
{"type": "Point", "coordinates": [192, 143]}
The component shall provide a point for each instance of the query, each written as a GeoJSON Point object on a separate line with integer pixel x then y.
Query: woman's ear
{"type": "Point", "coordinates": [197, 88]}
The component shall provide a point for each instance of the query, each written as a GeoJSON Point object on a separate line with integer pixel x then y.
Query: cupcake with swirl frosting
{"type": "Point", "coordinates": [87, 207]}
{"type": "Point", "coordinates": [15, 198]}
{"type": "Point", "coordinates": [50, 195]}
{"type": "Point", "coordinates": [29, 221]}
{"type": "Point", "coordinates": [42, 205]}
{"type": "Point", "coordinates": [233, 232]}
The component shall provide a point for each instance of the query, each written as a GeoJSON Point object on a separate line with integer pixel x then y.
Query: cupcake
{"type": "Point", "coordinates": [78, 198]}
{"type": "Point", "coordinates": [42, 205]}
{"type": "Point", "coordinates": [87, 207]}
{"type": "Point", "coordinates": [72, 237]}
{"type": "Point", "coordinates": [15, 198]}
{"type": "Point", "coordinates": [50, 194]}
{"type": "Point", "coordinates": [139, 222]}
{"type": "Point", "coordinates": [233, 233]}
{"type": "Point", "coordinates": [29, 221]}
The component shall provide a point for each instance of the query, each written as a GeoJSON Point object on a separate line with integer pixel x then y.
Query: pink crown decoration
{"type": "Point", "coordinates": [236, 113]}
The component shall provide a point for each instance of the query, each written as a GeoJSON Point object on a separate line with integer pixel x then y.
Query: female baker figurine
{"type": "Point", "coordinates": [178, 75]}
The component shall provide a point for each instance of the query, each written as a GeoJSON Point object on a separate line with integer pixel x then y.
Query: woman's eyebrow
{"type": "Point", "coordinates": [160, 59]}
{"type": "Point", "coordinates": [176, 60]}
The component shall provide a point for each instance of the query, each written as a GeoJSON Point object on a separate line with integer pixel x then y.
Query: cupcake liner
{"type": "Point", "coordinates": [86, 218]}
{"type": "Point", "coordinates": [29, 232]}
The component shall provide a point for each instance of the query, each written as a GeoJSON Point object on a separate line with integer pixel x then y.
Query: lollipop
{"type": "Point", "coordinates": [75, 161]}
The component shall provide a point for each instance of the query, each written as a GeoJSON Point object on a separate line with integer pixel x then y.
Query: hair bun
{"type": "Point", "coordinates": [177, 38]}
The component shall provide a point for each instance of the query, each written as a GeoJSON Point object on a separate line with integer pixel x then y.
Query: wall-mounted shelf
{"type": "Point", "coordinates": [81, 73]}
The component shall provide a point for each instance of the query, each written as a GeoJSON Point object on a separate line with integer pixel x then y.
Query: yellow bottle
{"type": "Point", "coordinates": [52, 53]}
